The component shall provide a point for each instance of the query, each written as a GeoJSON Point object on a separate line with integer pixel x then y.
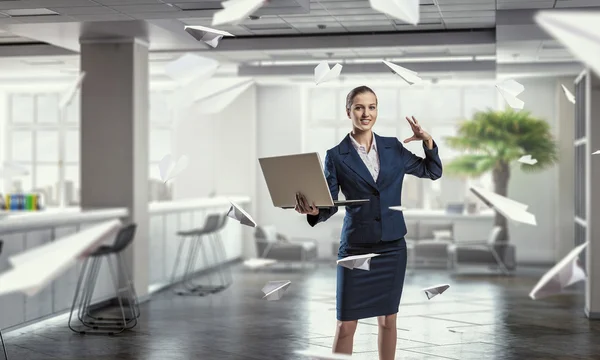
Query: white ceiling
{"type": "Point", "coordinates": [287, 28]}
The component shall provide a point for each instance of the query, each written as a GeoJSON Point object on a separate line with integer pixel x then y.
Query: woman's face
{"type": "Point", "coordinates": [363, 111]}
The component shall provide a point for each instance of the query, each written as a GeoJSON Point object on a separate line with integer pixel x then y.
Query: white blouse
{"type": "Point", "coordinates": [370, 158]}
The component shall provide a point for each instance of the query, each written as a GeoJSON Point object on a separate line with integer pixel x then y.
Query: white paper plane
{"type": "Point", "coordinates": [527, 159]}
{"type": "Point", "coordinates": [69, 94]}
{"type": "Point", "coordinates": [511, 209]}
{"type": "Point", "coordinates": [236, 11]}
{"type": "Point", "coordinates": [510, 89]}
{"type": "Point", "coordinates": [409, 76]}
{"type": "Point", "coordinates": [568, 94]}
{"type": "Point", "coordinates": [566, 272]}
{"type": "Point", "coordinates": [596, 152]}
{"type": "Point", "coordinates": [190, 67]}
{"type": "Point", "coordinates": [237, 213]}
{"type": "Point", "coordinates": [323, 73]}
{"type": "Point", "coordinates": [207, 35]}
{"type": "Point", "coordinates": [577, 31]}
{"type": "Point", "coordinates": [404, 10]}
{"type": "Point", "coordinates": [398, 208]}
{"type": "Point", "coordinates": [13, 170]}
{"type": "Point", "coordinates": [435, 290]}
{"type": "Point", "coordinates": [322, 355]}
{"type": "Point", "coordinates": [169, 169]}
{"type": "Point", "coordinates": [362, 262]}
{"type": "Point", "coordinates": [256, 263]}
{"type": "Point", "coordinates": [34, 269]}
{"type": "Point", "coordinates": [274, 289]}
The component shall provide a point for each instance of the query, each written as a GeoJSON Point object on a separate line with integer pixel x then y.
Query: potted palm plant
{"type": "Point", "coordinates": [493, 140]}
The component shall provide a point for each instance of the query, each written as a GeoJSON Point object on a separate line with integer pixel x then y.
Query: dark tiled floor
{"type": "Point", "coordinates": [482, 317]}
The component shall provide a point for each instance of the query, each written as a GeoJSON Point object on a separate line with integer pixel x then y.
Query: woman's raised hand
{"type": "Point", "coordinates": [303, 207]}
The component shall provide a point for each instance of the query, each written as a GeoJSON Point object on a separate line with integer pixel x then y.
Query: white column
{"type": "Point", "coordinates": [114, 138]}
{"type": "Point", "coordinates": [592, 288]}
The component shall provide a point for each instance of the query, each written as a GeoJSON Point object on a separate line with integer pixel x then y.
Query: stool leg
{"type": "Point", "coordinates": [224, 257]}
{"type": "Point", "coordinates": [90, 285]}
{"type": "Point", "coordinates": [219, 261]}
{"type": "Point", "coordinates": [188, 286]}
{"type": "Point", "coordinates": [3, 346]}
{"type": "Point", "coordinates": [76, 296]}
{"type": "Point", "coordinates": [203, 290]}
{"type": "Point", "coordinates": [177, 259]}
{"type": "Point", "coordinates": [115, 282]}
{"type": "Point", "coordinates": [132, 291]}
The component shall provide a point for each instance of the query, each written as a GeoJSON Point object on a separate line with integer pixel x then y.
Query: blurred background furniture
{"type": "Point", "coordinates": [429, 242]}
{"type": "Point", "coordinates": [272, 245]}
{"type": "Point", "coordinates": [490, 252]}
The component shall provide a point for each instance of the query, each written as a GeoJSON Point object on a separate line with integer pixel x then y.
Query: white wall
{"type": "Point", "coordinates": [222, 153]}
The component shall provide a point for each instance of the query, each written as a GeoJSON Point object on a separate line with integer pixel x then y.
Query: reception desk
{"type": "Point", "coordinates": [23, 231]}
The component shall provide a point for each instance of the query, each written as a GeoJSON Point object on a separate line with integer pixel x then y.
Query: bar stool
{"type": "Point", "coordinates": [212, 223]}
{"type": "Point", "coordinates": [1, 337]}
{"type": "Point", "coordinates": [222, 258]}
{"type": "Point", "coordinates": [93, 323]}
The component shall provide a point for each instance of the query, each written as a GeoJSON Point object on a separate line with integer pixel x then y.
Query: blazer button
{"type": "Point", "coordinates": [378, 219]}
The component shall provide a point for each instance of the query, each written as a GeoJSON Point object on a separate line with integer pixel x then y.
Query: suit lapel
{"type": "Point", "coordinates": [384, 149]}
{"type": "Point", "coordinates": [354, 162]}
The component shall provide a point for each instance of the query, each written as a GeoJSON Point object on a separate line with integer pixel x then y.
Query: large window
{"type": "Point", "coordinates": [438, 108]}
{"type": "Point", "coordinates": [45, 141]}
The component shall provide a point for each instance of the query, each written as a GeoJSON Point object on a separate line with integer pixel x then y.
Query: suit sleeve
{"type": "Point", "coordinates": [429, 167]}
{"type": "Point", "coordinates": [334, 188]}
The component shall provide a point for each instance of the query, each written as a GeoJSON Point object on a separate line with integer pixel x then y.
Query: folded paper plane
{"type": "Point", "coordinates": [568, 94]}
{"type": "Point", "coordinates": [274, 289]}
{"type": "Point", "coordinates": [435, 290]}
{"type": "Point", "coordinates": [362, 262]}
{"type": "Point", "coordinates": [527, 159]}
{"type": "Point", "coordinates": [577, 31]}
{"type": "Point", "coordinates": [236, 11]}
{"type": "Point", "coordinates": [398, 208]}
{"type": "Point", "coordinates": [510, 89]}
{"type": "Point", "coordinates": [596, 152]}
{"type": "Point", "coordinates": [404, 10]}
{"type": "Point", "coordinates": [256, 263]}
{"type": "Point", "coordinates": [190, 67]}
{"type": "Point", "coordinates": [566, 272]}
{"type": "Point", "coordinates": [69, 94]}
{"type": "Point", "coordinates": [209, 36]}
{"type": "Point", "coordinates": [323, 73]}
{"type": "Point", "coordinates": [511, 209]}
{"type": "Point", "coordinates": [170, 169]}
{"type": "Point", "coordinates": [409, 76]}
{"type": "Point", "coordinates": [323, 355]}
{"type": "Point", "coordinates": [34, 269]}
{"type": "Point", "coordinates": [237, 213]}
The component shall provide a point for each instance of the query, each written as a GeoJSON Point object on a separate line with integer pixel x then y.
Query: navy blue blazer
{"type": "Point", "coordinates": [372, 222]}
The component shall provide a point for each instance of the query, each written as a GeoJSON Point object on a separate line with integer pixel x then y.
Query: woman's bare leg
{"type": "Point", "coordinates": [344, 337]}
{"type": "Point", "coordinates": [388, 335]}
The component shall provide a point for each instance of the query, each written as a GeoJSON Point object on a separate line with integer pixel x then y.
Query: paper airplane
{"type": "Point", "coordinates": [236, 11]}
{"type": "Point", "coordinates": [218, 101]}
{"type": "Point", "coordinates": [362, 262]}
{"type": "Point", "coordinates": [256, 263]}
{"type": "Point", "coordinates": [274, 289]}
{"type": "Point", "coordinates": [510, 89]}
{"type": "Point", "coordinates": [237, 213]}
{"type": "Point", "coordinates": [435, 290]}
{"type": "Point", "coordinates": [68, 95]}
{"type": "Point", "coordinates": [207, 35]}
{"type": "Point", "coordinates": [404, 10]}
{"type": "Point", "coordinates": [190, 67]}
{"type": "Point", "coordinates": [322, 355]}
{"type": "Point", "coordinates": [323, 73]}
{"type": "Point", "coordinates": [409, 76]}
{"type": "Point", "coordinates": [13, 170]}
{"type": "Point", "coordinates": [527, 159]}
{"type": "Point", "coordinates": [169, 169]}
{"type": "Point", "coordinates": [566, 272]}
{"type": "Point", "coordinates": [568, 94]}
{"type": "Point", "coordinates": [577, 31]}
{"type": "Point", "coordinates": [596, 152]}
{"type": "Point", "coordinates": [34, 269]}
{"type": "Point", "coordinates": [511, 209]}
{"type": "Point", "coordinates": [398, 208]}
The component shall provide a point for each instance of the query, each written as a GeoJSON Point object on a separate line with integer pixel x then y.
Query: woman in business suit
{"type": "Point", "coordinates": [368, 166]}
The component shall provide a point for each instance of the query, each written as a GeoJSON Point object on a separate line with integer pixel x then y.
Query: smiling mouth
{"type": "Point", "coordinates": [365, 121]}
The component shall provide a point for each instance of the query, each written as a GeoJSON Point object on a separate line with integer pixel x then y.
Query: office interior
{"type": "Point", "coordinates": [97, 159]}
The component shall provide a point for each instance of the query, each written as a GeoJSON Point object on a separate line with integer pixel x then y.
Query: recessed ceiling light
{"type": "Point", "coordinates": [29, 12]}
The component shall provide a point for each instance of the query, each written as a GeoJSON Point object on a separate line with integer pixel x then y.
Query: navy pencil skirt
{"type": "Point", "coordinates": [364, 294]}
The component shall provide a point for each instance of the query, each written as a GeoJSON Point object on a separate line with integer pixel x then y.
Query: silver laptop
{"type": "Point", "coordinates": [287, 175]}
